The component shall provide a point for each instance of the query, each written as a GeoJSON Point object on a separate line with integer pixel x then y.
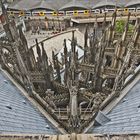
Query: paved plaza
{"type": "Point", "coordinates": [55, 43]}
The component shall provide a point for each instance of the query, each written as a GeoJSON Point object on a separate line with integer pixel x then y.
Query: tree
{"type": "Point", "coordinates": [120, 25]}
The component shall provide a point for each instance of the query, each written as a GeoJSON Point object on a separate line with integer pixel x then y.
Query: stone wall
{"type": "Point", "coordinates": [71, 137]}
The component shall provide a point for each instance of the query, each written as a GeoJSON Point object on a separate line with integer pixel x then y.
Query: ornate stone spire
{"type": "Point", "coordinates": [74, 120]}
{"type": "Point", "coordinates": [58, 70]}
{"type": "Point", "coordinates": [23, 39]}
{"type": "Point", "coordinates": [44, 57]}
{"type": "Point", "coordinates": [66, 62]}
{"type": "Point", "coordinates": [65, 52]}
{"type": "Point", "coordinates": [104, 23]}
{"type": "Point", "coordinates": [111, 32]}
{"type": "Point", "coordinates": [54, 59]}
{"type": "Point", "coordinates": [38, 49]}
{"type": "Point", "coordinates": [120, 48]}
{"type": "Point", "coordinates": [85, 43]}
{"type": "Point", "coordinates": [73, 42]}
{"type": "Point", "coordinates": [4, 17]}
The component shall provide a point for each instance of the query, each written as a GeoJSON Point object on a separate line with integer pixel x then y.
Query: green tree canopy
{"type": "Point", "coordinates": [120, 25]}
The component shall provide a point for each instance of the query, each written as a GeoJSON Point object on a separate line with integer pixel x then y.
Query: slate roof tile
{"type": "Point", "coordinates": [125, 117]}
{"type": "Point", "coordinates": [22, 117]}
{"type": "Point", "coordinates": [60, 4]}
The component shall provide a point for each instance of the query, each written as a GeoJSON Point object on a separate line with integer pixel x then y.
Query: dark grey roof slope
{"type": "Point", "coordinates": [17, 114]}
{"type": "Point", "coordinates": [61, 4]}
{"type": "Point", "coordinates": [24, 4]}
{"type": "Point", "coordinates": [125, 117]}
{"type": "Point", "coordinates": [57, 4]}
{"type": "Point", "coordinates": [74, 4]}
{"type": "Point", "coordinates": [103, 3]}
{"type": "Point", "coordinates": [132, 2]}
{"type": "Point", "coordinates": [43, 4]}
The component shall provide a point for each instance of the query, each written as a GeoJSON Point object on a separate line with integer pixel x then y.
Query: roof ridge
{"type": "Point", "coordinates": [33, 101]}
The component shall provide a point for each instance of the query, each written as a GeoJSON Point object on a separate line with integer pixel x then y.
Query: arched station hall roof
{"type": "Point", "coordinates": [67, 4]}
{"type": "Point", "coordinates": [23, 4]}
{"type": "Point", "coordinates": [43, 4]}
{"type": "Point", "coordinates": [37, 4]}
{"type": "Point", "coordinates": [132, 3]}
{"type": "Point", "coordinates": [104, 3]}
{"type": "Point", "coordinates": [74, 4]}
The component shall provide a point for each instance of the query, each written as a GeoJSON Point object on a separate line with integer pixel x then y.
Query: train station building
{"type": "Point", "coordinates": [60, 83]}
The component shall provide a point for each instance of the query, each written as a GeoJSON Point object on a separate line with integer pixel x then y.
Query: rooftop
{"type": "Point", "coordinates": [131, 3]}
{"type": "Point", "coordinates": [103, 3]}
{"type": "Point", "coordinates": [66, 4]}
{"type": "Point", "coordinates": [125, 116]}
{"type": "Point", "coordinates": [17, 114]}
{"type": "Point", "coordinates": [73, 4]}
